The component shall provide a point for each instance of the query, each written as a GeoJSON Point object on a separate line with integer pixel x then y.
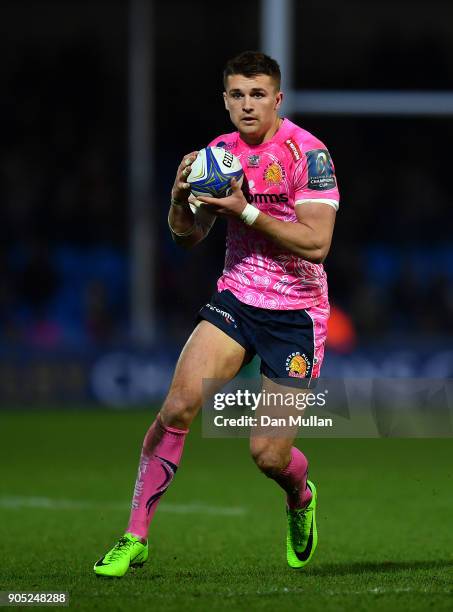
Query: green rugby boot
{"type": "Point", "coordinates": [127, 552]}
{"type": "Point", "coordinates": [302, 535]}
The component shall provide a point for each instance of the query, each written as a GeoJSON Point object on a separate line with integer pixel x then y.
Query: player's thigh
{"type": "Point", "coordinates": [272, 439]}
{"type": "Point", "coordinates": [209, 354]}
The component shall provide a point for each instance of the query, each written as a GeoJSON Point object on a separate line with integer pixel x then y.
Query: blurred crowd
{"type": "Point", "coordinates": [62, 188]}
{"type": "Point", "coordinates": [63, 237]}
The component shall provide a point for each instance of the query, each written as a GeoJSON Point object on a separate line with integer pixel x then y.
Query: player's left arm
{"type": "Point", "coordinates": [309, 237]}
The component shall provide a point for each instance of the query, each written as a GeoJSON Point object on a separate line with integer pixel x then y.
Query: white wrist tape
{"type": "Point", "coordinates": [249, 214]}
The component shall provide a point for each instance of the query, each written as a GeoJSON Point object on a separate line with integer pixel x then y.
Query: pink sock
{"type": "Point", "coordinates": [293, 479]}
{"type": "Point", "coordinates": [161, 453]}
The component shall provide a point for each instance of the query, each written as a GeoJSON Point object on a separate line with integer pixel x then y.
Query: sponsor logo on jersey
{"type": "Point", "coordinates": [294, 149]}
{"type": "Point", "coordinates": [274, 174]}
{"type": "Point", "coordinates": [321, 174]}
{"type": "Point", "coordinates": [253, 161]}
{"type": "Point", "coordinates": [267, 198]}
{"type": "Point", "coordinates": [297, 365]}
{"type": "Point", "coordinates": [227, 145]}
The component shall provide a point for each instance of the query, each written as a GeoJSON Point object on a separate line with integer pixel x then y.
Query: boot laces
{"type": "Point", "coordinates": [123, 546]}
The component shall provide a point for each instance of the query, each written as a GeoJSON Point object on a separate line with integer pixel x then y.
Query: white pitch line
{"type": "Point", "coordinates": [335, 593]}
{"type": "Point", "coordinates": [72, 504]}
{"type": "Point", "coordinates": [385, 591]}
{"type": "Point", "coordinates": [229, 594]}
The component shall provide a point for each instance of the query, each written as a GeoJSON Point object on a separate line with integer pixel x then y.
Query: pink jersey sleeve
{"type": "Point", "coordinates": [314, 173]}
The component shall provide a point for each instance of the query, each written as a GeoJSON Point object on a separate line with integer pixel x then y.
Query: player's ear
{"type": "Point", "coordinates": [278, 100]}
{"type": "Point", "coordinates": [225, 100]}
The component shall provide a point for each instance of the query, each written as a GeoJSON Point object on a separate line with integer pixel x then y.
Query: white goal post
{"type": "Point", "coordinates": [277, 41]}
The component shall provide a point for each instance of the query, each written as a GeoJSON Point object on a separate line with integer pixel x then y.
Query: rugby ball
{"type": "Point", "coordinates": [212, 171]}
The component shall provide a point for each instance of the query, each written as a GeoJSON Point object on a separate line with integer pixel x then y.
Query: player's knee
{"type": "Point", "coordinates": [178, 411]}
{"type": "Point", "coordinates": [269, 461]}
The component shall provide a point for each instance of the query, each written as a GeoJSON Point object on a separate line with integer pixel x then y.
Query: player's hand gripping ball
{"type": "Point", "coordinates": [212, 172]}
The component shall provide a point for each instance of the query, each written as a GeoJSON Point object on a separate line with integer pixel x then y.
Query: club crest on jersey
{"type": "Point", "coordinates": [253, 161]}
{"type": "Point", "coordinates": [294, 149]}
{"type": "Point", "coordinates": [274, 174]}
{"type": "Point", "coordinates": [297, 365]}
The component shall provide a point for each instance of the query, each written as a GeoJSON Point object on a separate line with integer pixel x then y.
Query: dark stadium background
{"type": "Point", "coordinates": [65, 256]}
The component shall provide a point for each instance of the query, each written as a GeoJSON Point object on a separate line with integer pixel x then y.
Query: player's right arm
{"type": "Point", "coordinates": [188, 224]}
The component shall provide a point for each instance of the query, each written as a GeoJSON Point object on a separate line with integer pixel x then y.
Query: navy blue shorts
{"type": "Point", "coordinates": [283, 339]}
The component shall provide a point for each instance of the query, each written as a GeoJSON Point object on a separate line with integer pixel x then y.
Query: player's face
{"type": "Point", "coordinates": [253, 104]}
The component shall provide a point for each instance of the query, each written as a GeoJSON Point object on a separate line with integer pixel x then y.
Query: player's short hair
{"type": "Point", "coordinates": [250, 64]}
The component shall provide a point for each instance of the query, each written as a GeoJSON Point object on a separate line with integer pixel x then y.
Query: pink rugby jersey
{"type": "Point", "coordinates": [291, 168]}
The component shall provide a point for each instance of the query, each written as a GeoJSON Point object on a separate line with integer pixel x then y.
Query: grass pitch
{"type": "Point", "coordinates": [218, 538]}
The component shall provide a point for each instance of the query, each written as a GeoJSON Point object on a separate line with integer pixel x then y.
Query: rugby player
{"type": "Point", "coordinates": [271, 298]}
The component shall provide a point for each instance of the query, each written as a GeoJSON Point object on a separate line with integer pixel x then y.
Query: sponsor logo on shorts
{"type": "Point", "coordinates": [294, 149]}
{"type": "Point", "coordinates": [298, 365]}
{"type": "Point", "coordinates": [226, 315]}
{"type": "Point", "coordinates": [274, 174]}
